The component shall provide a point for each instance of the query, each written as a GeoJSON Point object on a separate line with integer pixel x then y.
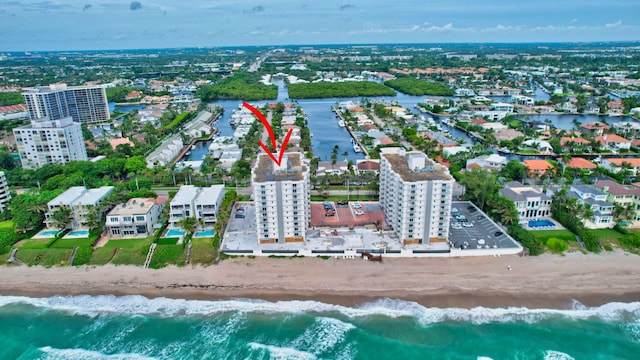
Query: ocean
{"type": "Point", "coordinates": [135, 327]}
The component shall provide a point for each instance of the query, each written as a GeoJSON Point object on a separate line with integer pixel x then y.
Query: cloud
{"type": "Point", "coordinates": [135, 5]}
{"type": "Point", "coordinates": [86, 7]}
{"type": "Point", "coordinates": [613, 25]}
{"type": "Point", "coordinates": [346, 7]}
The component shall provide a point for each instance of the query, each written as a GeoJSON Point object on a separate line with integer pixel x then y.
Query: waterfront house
{"type": "Point", "coordinates": [613, 142]}
{"type": "Point", "coordinates": [530, 202]}
{"type": "Point", "coordinates": [580, 163]}
{"type": "Point", "coordinates": [616, 165]}
{"type": "Point", "coordinates": [594, 128]}
{"type": "Point", "coordinates": [623, 195]}
{"type": "Point", "coordinates": [137, 217]}
{"type": "Point", "coordinates": [491, 162]}
{"type": "Point", "coordinates": [537, 167]}
{"type": "Point", "coordinates": [508, 134]}
{"type": "Point", "coordinates": [571, 144]}
{"type": "Point", "coordinates": [596, 200]}
{"type": "Point", "coordinates": [367, 166]}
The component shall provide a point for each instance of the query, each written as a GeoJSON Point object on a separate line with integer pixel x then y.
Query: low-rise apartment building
{"type": "Point", "coordinates": [201, 203]}
{"type": "Point", "coordinates": [596, 200]}
{"type": "Point", "coordinates": [530, 202]}
{"type": "Point", "coordinates": [135, 218]}
{"type": "Point", "coordinates": [83, 203]}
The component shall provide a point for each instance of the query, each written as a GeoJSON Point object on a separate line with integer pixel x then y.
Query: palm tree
{"type": "Point", "coordinates": [623, 213]}
{"type": "Point", "coordinates": [188, 224]}
{"type": "Point", "coordinates": [61, 217]}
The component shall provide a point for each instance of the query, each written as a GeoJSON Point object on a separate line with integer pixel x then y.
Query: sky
{"type": "Point", "coordinates": [27, 25]}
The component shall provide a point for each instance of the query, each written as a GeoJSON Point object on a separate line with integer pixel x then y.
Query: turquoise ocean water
{"type": "Point", "coordinates": [134, 327]}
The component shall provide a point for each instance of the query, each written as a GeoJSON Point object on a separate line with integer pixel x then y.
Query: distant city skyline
{"type": "Point", "coordinates": [86, 25]}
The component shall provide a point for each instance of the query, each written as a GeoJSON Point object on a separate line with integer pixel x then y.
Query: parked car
{"type": "Point", "coordinates": [356, 205]}
{"type": "Point", "coordinates": [497, 233]}
{"type": "Point", "coordinates": [456, 226]}
{"type": "Point", "coordinates": [358, 212]}
{"type": "Point", "coordinates": [467, 224]}
{"type": "Point", "coordinates": [480, 217]}
{"type": "Point", "coordinates": [342, 202]}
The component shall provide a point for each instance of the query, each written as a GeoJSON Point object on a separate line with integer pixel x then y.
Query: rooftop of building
{"type": "Point", "coordinates": [185, 195]}
{"type": "Point", "coordinates": [209, 195]}
{"type": "Point", "coordinates": [581, 163]}
{"type": "Point", "coordinates": [135, 206]}
{"type": "Point", "coordinates": [634, 162]}
{"type": "Point", "coordinates": [614, 188]}
{"type": "Point", "coordinates": [431, 170]}
{"type": "Point", "coordinates": [292, 168]}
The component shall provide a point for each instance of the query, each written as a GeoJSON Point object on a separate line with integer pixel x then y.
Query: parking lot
{"type": "Point", "coordinates": [470, 229]}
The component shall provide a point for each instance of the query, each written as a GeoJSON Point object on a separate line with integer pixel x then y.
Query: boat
{"type": "Point", "coordinates": [357, 148]}
{"type": "Point", "coordinates": [341, 123]}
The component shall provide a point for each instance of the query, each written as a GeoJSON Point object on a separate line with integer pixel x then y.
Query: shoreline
{"type": "Point", "coordinates": [547, 281]}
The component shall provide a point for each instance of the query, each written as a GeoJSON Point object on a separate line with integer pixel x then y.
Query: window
{"type": "Point", "coordinates": [139, 218]}
{"type": "Point", "coordinates": [127, 219]}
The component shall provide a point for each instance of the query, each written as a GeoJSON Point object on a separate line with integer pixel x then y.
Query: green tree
{"type": "Point", "coordinates": [514, 170]}
{"type": "Point", "coordinates": [479, 183]}
{"type": "Point", "coordinates": [61, 217]}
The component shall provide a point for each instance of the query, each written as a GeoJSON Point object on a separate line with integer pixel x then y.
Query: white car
{"type": "Point", "coordinates": [467, 224]}
{"type": "Point", "coordinates": [358, 212]}
{"type": "Point", "coordinates": [456, 226]}
{"type": "Point", "coordinates": [356, 205]}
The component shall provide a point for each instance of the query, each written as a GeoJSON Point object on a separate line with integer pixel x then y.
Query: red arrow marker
{"type": "Point", "coordinates": [266, 124]}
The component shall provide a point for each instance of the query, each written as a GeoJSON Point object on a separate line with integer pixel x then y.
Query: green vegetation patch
{"type": "Point", "coordinates": [607, 235]}
{"type": "Point", "coordinates": [413, 86]}
{"type": "Point", "coordinates": [557, 245]}
{"type": "Point", "coordinates": [167, 241]}
{"type": "Point", "coordinates": [340, 89]}
{"type": "Point", "coordinates": [129, 257]}
{"type": "Point", "coordinates": [166, 255]}
{"type": "Point", "coordinates": [8, 224]}
{"type": "Point", "coordinates": [71, 243]}
{"type": "Point", "coordinates": [544, 235]}
{"type": "Point", "coordinates": [101, 256]}
{"type": "Point", "coordinates": [177, 121]}
{"type": "Point", "coordinates": [127, 243]}
{"type": "Point", "coordinates": [83, 256]}
{"type": "Point", "coordinates": [11, 98]}
{"type": "Point", "coordinates": [203, 251]}
{"type": "Point", "coordinates": [34, 244]}
{"type": "Point", "coordinates": [238, 87]}
{"type": "Point", "coordinates": [44, 257]}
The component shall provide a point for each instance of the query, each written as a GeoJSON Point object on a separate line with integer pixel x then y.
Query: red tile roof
{"type": "Point", "coordinates": [581, 163]}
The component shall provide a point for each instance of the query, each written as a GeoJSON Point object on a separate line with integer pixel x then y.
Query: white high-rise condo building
{"type": "Point", "coordinates": [50, 141]}
{"type": "Point", "coordinates": [415, 193]}
{"type": "Point", "coordinates": [281, 195]}
{"type": "Point", "coordinates": [5, 197]}
{"type": "Point", "coordinates": [85, 104]}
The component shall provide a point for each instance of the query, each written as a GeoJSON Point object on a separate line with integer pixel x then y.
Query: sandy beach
{"type": "Point", "coordinates": [549, 281]}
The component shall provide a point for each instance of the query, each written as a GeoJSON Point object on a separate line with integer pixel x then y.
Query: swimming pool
{"type": "Point", "coordinates": [79, 233]}
{"type": "Point", "coordinates": [49, 232]}
{"type": "Point", "coordinates": [175, 233]}
{"type": "Point", "coordinates": [540, 223]}
{"type": "Point", "coordinates": [204, 233]}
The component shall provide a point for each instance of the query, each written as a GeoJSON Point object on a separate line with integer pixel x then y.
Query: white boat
{"type": "Point", "coordinates": [341, 123]}
{"type": "Point", "coordinates": [357, 148]}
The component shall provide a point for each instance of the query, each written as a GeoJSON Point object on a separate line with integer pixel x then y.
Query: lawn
{"type": "Point", "coordinates": [71, 243]}
{"type": "Point", "coordinates": [167, 255]}
{"type": "Point", "coordinates": [44, 257]}
{"type": "Point", "coordinates": [128, 243]}
{"type": "Point", "coordinates": [202, 251]}
{"type": "Point", "coordinates": [8, 224]}
{"type": "Point", "coordinates": [130, 257]}
{"type": "Point", "coordinates": [543, 235]}
{"type": "Point", "coordinates": [33, 244]}
{"type": "Point", "coordinates": [167, 241]}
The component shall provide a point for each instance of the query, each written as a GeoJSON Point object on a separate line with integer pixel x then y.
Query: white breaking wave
{"type": "Point", "coordinates": [82, 354]}
{"type": "Point", "coordinates": [277, 352]}
{"type": "Point", "coordinates": [556, 355]}
{"type": "Point", "coordinates": [138, 305]}
{"type": "Point", "coordinates": [323, 335]}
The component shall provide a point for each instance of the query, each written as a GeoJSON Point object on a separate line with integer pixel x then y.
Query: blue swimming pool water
{"type": "Point", "coordinates": [49, 232]}
{"type": "Point", "coordinates": [79, 232]}
{"type": "Point", "coordinates": [175, 233]}
{"type": "Point", "coordinates": [540, 223]}
{"type": "Point", "coordinates": [204, 233]}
